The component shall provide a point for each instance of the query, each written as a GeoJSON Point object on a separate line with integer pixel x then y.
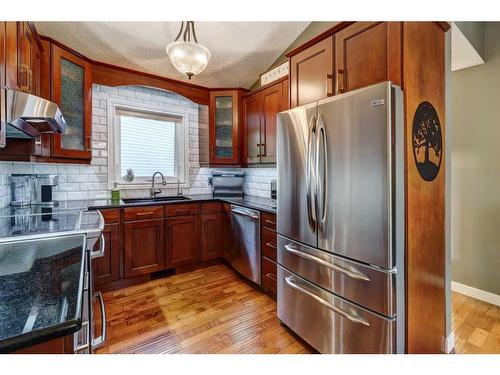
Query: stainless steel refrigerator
{"type": "Point", "coordinates": [341, 221]}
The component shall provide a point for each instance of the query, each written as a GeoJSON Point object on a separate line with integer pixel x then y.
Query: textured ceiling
{"type": "Point", "coordinates": [240, 50]}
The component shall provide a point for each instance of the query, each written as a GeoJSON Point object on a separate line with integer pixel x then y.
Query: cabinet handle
{"type": "Point", "coordinates": [149, 213]}
{"type": "Point", "coordinates": [263, 149]}
{"type": "Point", "coordinates": [270, 244]}
{"type": "Point", "coordinates": [329, 84]}
{"type": "Point", "coordinates": [182, 212]}
{"type": "Point", "coordinates": [339, 88]}
{"type": "Point", "coordinates": [258, 150]}
{"type": "Point", "coordinates": [270, 222]}
{"type": "Point", "coordinates": [23, 69]}
{"type": "Point", "coordinates": [271, 276]}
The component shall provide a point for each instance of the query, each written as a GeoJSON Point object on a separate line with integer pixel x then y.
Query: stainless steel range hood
{"type": "Point", "coordinates": [28, 116]}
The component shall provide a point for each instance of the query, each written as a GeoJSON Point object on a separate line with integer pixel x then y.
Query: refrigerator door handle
{"type": "Point", "coordinates": [355, 318]}
{"type": "Point", "coordinates": [353, 274]}
{"type": "Point", "coordinates": [321, 176]}
{"type": "Point", "coordinates": [310, 174]}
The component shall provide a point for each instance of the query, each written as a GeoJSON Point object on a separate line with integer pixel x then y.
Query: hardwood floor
{"type": "Point", "coordinates": [476, 325]}
{"type": "Point", "coordinates": [210, 310]}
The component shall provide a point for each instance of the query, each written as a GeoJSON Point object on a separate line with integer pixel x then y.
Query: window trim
{"type": "Point", "coordinates": [114, 142]}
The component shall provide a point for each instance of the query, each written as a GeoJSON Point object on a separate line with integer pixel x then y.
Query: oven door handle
{"type": "Point", "coordinates": [349, 316]}
{"type": "Point", "coordinates": [99, 341]}
{"type": "Point", "coordinates": [99, 253]}
{"type": "Point", "coordinates": [354, 274]}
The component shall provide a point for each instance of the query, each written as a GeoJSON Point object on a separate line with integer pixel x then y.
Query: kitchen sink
{"type": "Point", "coordinates": [156, 199]}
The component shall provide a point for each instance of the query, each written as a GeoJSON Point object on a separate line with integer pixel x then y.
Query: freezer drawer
{"type": "Point", "coordinates": [370, 287]}
{"type": "Point", "coordinates": [329, 323]}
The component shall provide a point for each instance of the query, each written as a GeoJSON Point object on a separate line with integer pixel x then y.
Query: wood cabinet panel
{"type": "Point", "coordinates": [269, 242]}
{"type": "Point", "coordinates": [272, 104]}
{"type": "Point", "coordinates": [367, 53]}
{"type": "Point", "coordinates": [268, 220]}
{"type": "Point", "coordinates": [269, 275]}
{"type": "Point", "coordinates": [251, 113]}
{"type": "Point", "coordinates": [143, 247]}
{"type": "Point", "coordinates": [227, 237]}
{"type": "Point", "coordinates": [210, 207]}
{"type": "Point", "coordinates": [111, 215]}
{"type": "Point", "coordinates": [210, 237]}
{"type": "Point", "coordinates": [311, 73]}
{"type": "Point", "coordinates": [182, 209]}
{"type": "Point", "coordinates": [143, 213]}
{"type": "Point", "coordinates": [72, 91]}
{"type": "Point", "coordinates": [182, 241]}
{"type": "Point", "coordinates": [107, 268]}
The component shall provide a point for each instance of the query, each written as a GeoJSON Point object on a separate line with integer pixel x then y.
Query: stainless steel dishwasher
{"type": "Point", "coordinates": [245, 257]}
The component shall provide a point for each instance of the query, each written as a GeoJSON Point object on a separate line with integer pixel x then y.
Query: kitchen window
{"type": "Point", "coordinates": [148, 141]}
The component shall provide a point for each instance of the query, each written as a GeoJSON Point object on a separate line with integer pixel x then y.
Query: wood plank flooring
{"type": "Point", "coordinates": [210, 310]}
{"type": "Point", "coordinates": [476, 325]}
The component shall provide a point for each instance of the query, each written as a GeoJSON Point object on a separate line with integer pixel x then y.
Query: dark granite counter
{"type": "Point", "coordinates": [41, 290]}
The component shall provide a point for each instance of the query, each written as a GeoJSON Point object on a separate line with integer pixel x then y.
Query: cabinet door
{"type": "Point", "coordinates": [271, 105]}
{"type": "Point", "coordinates": [224, 127]}
{"type": "Point", "coordinates": [210, 235]}
{"type": "Point", "coordinates": [182, 240]}
{"type": "Point", "coordinates": [367, 53]}
{"type": "Point", "coordinates": [251, 113]}
{"type": "Point", "coordinates": [12, 40]}
{"type": "Point", "coordinates": [227, 239]}
{"type": "Point", "coordinates": [72, 91]}
{"type": "Point", "coordinates": [107, 268]}
{"type": "Point", "coordinates": [143, 247]}
{"type": "Point", "coordinates": [3, 123]}
{"type": "Point", "coordinates": [311, 73]}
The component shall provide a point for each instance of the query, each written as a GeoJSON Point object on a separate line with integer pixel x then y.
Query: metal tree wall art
{"type": "Point", "coordinates": [427, 141]}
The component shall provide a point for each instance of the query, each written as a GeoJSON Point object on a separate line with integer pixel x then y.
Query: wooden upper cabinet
{"type": "Point", "coordinates": [224, 127]}
{"type": "Point", "coordinates": [251, 113]}
{"type": "Point", "coordinates": [367, 53]}
{"type": "Point", "coordinates": [144, 250]}
{"type": "Point", "coordinates": [260, 110]}
{"type": "Point", "coordinates": [311, 73]}
{"type": "Point", "coordinates": [72, 91]}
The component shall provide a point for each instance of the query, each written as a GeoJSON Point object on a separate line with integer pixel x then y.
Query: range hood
{"type": "Point", "coordinates": [28, 116]}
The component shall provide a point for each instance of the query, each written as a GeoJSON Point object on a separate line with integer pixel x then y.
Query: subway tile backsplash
{"type": "Point", "coordinates": [81, 182]}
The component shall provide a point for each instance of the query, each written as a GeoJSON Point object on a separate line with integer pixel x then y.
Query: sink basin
{"type": "Point", "coordinates": [156, 199]}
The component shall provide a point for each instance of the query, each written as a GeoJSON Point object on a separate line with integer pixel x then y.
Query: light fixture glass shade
{"type": "Point", "coordinates": [188, 57]}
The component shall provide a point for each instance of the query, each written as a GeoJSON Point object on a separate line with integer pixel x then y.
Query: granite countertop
{"type": "Point", "coordinates": [262, 204]}
{"type": "Point", "coordinates": [41, 290]}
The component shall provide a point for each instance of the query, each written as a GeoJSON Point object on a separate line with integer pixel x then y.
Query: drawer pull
{"type": "Point", "coordinates": [270, 222]}
{"type": "Point", "coordinates": [351, 273]}
{"type": "Point", "coordinates": [149, 213]}
{"type": "Point", "coordinates": [355, 318]}
{"type": "Point", "coordinates": [270, 244]}
{"type": "Point", "coordinates": [271, 276]}
{"type": "Point", "coordinates": [182, 212]}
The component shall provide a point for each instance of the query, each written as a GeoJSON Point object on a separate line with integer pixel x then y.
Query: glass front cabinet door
{"type": "Point", "coordinates": [224, 122]}
{"type": "Point", "coordinates": [72, 91]}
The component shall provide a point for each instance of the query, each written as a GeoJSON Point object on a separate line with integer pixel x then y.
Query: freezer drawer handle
{"type": "Point", "coordinates": [244, 213]}
{"type": "Point", "coordinates": [99, 253]}
{"type": "Point", "coordinates": [99, 341]}
{"type": "Point", "coordinates": [352, 274]}
{"type": "Point", "coordinates": [355, 319]}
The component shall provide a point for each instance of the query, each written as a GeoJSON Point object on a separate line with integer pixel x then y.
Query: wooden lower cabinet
{"type": "Point", "coordinates": [107, 268]}
{"type": "Point", "coordinates": [269, 272]}
{"type": "Point", "coordinates": [143, 247]}
{"type": "Point", "coordinates": [227, 238]}
{"type": "Point", "coordinates": [182, 242]}
{"type": "Point", "coordinates": [210, 237]}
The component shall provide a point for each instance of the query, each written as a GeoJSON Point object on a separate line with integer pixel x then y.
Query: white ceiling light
{"type": "Point", "coordinates": [189, 58]}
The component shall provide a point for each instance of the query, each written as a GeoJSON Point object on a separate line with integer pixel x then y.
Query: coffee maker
{"type": "Point", "coordinates": [45, 184]}
{"type": "Point", "coordinates": [31, 189]}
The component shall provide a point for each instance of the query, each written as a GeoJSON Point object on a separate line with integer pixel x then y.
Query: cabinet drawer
{"type": "Point", "coordinates": [143, 213]}
{"type": "Point", "coordinates": [268, 220]}
{"type": "Point", "coordinates": [182, 209]}
{"type": "Point", "coordinates": [210, 207]}
{"type": "Point", "coordinates": [111, 215]}
{"type": "Point", "coordinates": [269, 241]}
{"type": "Point", "coordinates": [269, 272]}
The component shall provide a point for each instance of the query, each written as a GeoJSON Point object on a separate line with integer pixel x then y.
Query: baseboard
{"type": "Point", "coordinates": [479, 294]}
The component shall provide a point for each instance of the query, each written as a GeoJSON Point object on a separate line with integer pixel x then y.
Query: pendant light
{"type": "Point", "coordinates": [188, 57]}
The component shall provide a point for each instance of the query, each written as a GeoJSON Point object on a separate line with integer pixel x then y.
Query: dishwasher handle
{"type": "Point", "coordinates": [245, 213]}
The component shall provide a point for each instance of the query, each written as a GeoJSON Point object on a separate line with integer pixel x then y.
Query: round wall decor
{"type": "Point", "coordinates": [427, 141]}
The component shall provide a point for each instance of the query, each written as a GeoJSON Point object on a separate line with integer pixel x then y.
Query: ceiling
{"type": "Point", "coordinates": [240, 50]}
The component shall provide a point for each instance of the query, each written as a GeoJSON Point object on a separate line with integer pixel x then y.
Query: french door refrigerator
{"type": "Point", "coordinates": [341, 221]}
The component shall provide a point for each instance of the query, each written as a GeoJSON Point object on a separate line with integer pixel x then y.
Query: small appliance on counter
{"type": "Point", "coordinates": [32, 189]}
{"type": "Point", "coordinates": [274, 194]}
{"type": "Point", "coordinates": [227, 183]}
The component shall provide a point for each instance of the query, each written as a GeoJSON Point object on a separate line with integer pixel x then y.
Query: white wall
{"type": "Point", "coordinates": [81, 182]}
